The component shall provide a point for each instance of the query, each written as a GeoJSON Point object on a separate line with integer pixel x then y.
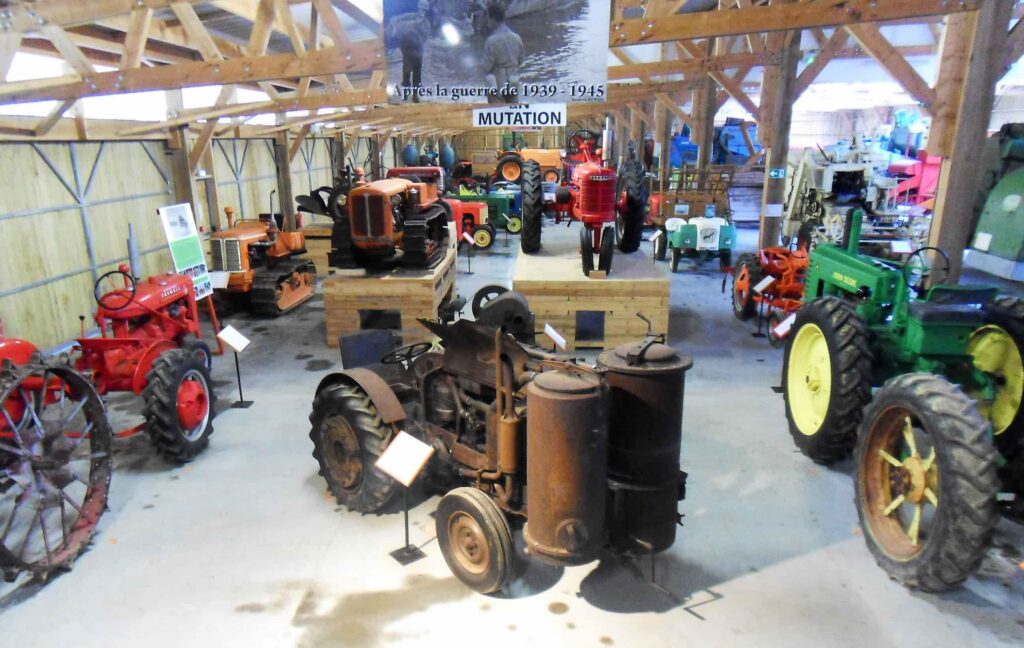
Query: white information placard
{"type": "Point", "coordinates": [467, 238]}
{"type": "Point", "coordinates": [764, 283]}
{"type": "Point", "coordinates": [555, 336]}
{"type": "Point", "coordinates": [773, 210]}
{"type": "Point", "coordinates": [782, 328]}
{"type": "Point", "coordinates": [186, 248]}
{"type": "Point", "coordinates": [219, 279]}
{"type": "Point", "coordinates": [404, 458]}
{"type": "Point", "coordinates": [230, 336]}
{"type": "Point", "coordinates": [901, 247]}
{"type": "Point", "coordinates": [982, 241]}
{"type": "Point", "coordinates": [654, 237]}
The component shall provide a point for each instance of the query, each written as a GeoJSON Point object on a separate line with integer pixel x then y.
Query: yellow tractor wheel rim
{"type": "Point", "coordinates": [482, 238]}
{"type": "Point", "coordinates": [994, 352]}
{"type": "Point", "coordinates": [809, 381]}
{"type": "Point", "coordinates": [514, 224]}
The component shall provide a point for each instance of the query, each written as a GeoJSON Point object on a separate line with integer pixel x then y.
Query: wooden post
{"type": "Point", "coordinates": [777, 105]}
{"type": "Point", "coordinates": [282, 160]}
{"type": "Point", "coordinates": [973, 49]}
{"type": "Point", "coordinates": [375, 158]}
{"type": "Point", "coordinates": [210, 187]}
{"type": "Point", "coordinates": [705, 107]}
{"type": "Point", "coordinates": [182, 173]}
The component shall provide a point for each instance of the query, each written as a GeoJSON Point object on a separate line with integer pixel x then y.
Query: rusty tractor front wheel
{"type": "Point", "coordinates": [926, 482]}
{"type": "Point", "coordinates": [348, 437]}
{"type": "Point", "coordinates": [475, 539]}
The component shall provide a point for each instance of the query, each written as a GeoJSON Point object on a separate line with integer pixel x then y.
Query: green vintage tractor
{"type": "Point", "coordinates": [942, 435]}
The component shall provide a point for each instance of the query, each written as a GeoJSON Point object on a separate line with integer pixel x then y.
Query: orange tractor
{"type": "Point", "coordinates": [263, 263]}
{"type": "Point", "coordinates": [388, 215]}
{"type": "Point", "coordinates": [782, 296]}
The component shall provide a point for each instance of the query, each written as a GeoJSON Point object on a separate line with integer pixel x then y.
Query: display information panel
{"type": "Point", "coordinates": [496, 51]}
{"type": "Point", "coordinates": [186, 248]}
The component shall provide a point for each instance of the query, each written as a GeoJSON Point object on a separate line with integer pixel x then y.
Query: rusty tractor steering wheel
{"type": "Point", "coordinates": [120, 301]}
{"type": "Point", "coordinates": [405, 355]}
{"type": "Point", "coordinates": [923, 268]}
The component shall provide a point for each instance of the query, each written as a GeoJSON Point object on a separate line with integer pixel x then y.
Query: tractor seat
{"type": "Point", "coordinates": [939, 313]}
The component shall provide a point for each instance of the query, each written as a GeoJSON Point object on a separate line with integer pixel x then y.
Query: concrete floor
{"type": "Point", "coordinates": [244, 548]}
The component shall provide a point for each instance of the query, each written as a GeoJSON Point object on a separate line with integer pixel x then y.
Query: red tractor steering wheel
{"type": "Point", "coordinates": [115, 299]}
{"type": "Point", "coordinates": [577, 139]}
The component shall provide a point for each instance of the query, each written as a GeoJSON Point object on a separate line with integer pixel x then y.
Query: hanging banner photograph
{"type": "Point", "coordinates": [496, 51]}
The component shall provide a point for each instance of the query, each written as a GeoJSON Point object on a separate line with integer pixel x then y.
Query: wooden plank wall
{"type": "Point", "coordinates": [55, 193]}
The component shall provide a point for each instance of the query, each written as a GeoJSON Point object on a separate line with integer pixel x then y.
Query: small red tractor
{"type": "Point", "coordinates": [782, 296]}
{"type": "Point", "coordinates": [149, 345]}
{"type": "Point", "coordinates": [592, 194]}
{"type": "Point", "coordinates": [472, 218]}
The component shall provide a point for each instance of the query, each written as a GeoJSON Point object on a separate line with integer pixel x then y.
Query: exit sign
{"type": "Point", "coordinates": [777, 174]}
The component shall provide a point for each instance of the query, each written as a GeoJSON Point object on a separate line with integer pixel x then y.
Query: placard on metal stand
{"type": "Point", "coordinates": [230, 336]}
{"type": "Point", "coordinates": [403, 460]}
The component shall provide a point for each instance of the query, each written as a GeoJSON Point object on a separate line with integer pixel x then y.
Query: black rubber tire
{"type": "Point", "coordinates": [850, 362]}
{"type": "Point", "coordinates": [345, 404]}
{"type": "Point", "coordinates": [495, 531]}
{"type": "Point", "coordinates": [484, 295]}
{"type": "Point", "coordinates": [674, 255]}
{"type": "Point", "coordinates": [661, 246]}
{"type": "Point", "coordinates": [966, 459]}
{"type": "Point", "coordinates": [513, 160]}
{"type": "Point", "coordinates": [745, 307]}
{"type": "Point", "coordinates": [607, 252]}
{"type": "Point", "coordinates": [160, 409]}
{"type": "Point", "coordinates": [774, 319]}
{"type": "Point", "coordinates": [586, 251]}
{"type": "Point", "coordinates": [725, 260]}
{"type": "Point", "coordinates": [532, 208]}
{"type": "Point", "coordinates": [199, 349]}
{"type": "Point", "coordinates": [629, 223]}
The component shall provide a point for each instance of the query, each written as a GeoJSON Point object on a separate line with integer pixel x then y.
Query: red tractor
{"type": "Point", "coordinates": [149, 345]}
{"type": "Point", "coordinates": [592, 194]}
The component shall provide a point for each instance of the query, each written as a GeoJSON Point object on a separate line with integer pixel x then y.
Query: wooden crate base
{"type": "Point", "coordinates": [318, 244]}
{"type": "Point", "coordinates": [554, 284]}
{"type": "Point", "coordinates": [412, 293]}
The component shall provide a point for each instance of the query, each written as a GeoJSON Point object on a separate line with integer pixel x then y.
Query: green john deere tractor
{"type": "Point", "coordinates": [942, 435]}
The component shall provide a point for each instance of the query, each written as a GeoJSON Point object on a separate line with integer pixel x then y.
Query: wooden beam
{"type": "Point", "coordinates": [197, 34]}
{"type": "Point", "coordinates": [325, 11]}
{"type": "Point", "coordinates": [297, 142]}
{"type": "Point", "coordinates": [828, 50]}
{"type": "Point", "coordinates": [735, 90]}
{"type": "Point", "coordinates": [48, 122]}
{"type": "Point", "coordinates": [9, 44]}
{"type": "Point", "coordinates": [954, 63]}
{"type": "Point", "coordinates": [674, 108]}
{"type": "Point", "coordinates": [358, 56]}
{"type": "Point", "coordinates": [724, 62]}
{"type": "Point", "coordinates": [1014, 46]}
{"type": "Point", "coordinates": [779, 104]}
{"type": "Point", "coordinates": [880, 49]}
{"type": "Point", "coordinates": [30, 16]}
{"type": "Point", "coordinates": [135, 43]}
{"type": "Point", "coordinates": [292, 29]}
{"type": "Point", "coordinates": [360, 16]}
{"type": "Point", "coordinates": [776, 17]}
{"type": "Point", "coordinates": [73, 55]}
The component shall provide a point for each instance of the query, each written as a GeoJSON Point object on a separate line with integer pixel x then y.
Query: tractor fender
{"type": "Point", "coordinates": [146, 360]}
{"type": "Point", "coordinates": [380, 393]}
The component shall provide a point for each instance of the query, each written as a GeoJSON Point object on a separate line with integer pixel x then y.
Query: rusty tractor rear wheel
{"type": "Point", "coordinates": [55, 466]}
{"type": "Point", "coordinates": [178, 406]}
{"type": "Point", "coordinates": [926, 482]}
{"type": "Point", "coordinates": [532, 207]}
{"type": "Point", "coordinates": [348, 437]}
{"type": "Point", "coordinates": [475, 539]}
{"type": "Point", "coordinates": [745, 276]}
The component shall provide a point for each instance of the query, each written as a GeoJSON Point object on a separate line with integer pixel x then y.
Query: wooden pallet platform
{"type": "Point", "coordinates": [318, 244]}
{"type": "Point", "coordinates": [554, 284]}
{"type": "Point", "coordinates": [410, 292]}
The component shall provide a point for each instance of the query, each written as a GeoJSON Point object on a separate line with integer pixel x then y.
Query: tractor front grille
{"type": "Point", "coordinates": [217, 255]}
{"type": "Point", "coordinates": [225, 255]}
{"type": "Point", "coordinates": [598, 196]}
{"type": "Point", "coordinates": [368, 215]}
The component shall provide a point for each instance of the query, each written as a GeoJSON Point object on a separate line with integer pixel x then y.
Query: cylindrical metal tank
{"type": "Point", "coordinates": [447, 157]}
{"type": "Point", "coordinates": [566, 454]}
{"type": "Point", "coordinates": [645, 424]}
{"type": "Point", "coordinates": [410, 155]}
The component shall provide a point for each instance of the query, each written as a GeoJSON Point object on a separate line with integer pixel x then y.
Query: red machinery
{"type": "Point", "coordinates": [592, 194]}
{"type": "Point", "coordinates": [782, 296]}
{"type": "Point", "coordinates": [471, 218]}
{"type": "Point", "coordinates": [149, 345]}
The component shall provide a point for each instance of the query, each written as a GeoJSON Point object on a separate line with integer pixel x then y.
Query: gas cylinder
{"type": "Point", "coordinates": [566, 453]}
{"type": "Point", "coordinates": [410, 155]}
{"type": "Point", "coordinates": [646, 383]}
{"type": "Point", "coordinates": [447, 157]}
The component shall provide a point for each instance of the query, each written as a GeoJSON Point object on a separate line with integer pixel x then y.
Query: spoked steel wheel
{"type": "Point", "coordinates": [55, 466]}
{"type": "Point", "coordinates": [926, 481]}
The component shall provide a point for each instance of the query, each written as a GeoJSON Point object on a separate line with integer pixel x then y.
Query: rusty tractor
{"type": "Point", "coordinates": [521, 437]}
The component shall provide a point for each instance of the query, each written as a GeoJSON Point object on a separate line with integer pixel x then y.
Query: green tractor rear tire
{"type": "Point", "coordinates": [826, 378]}
{"type": "Point", "coordinates": [926, 482]}
{"type": "Point", "coordinates": [532, 208]}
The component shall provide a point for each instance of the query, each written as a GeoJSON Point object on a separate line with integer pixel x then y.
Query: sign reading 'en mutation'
{"type": "Point", "coordinates": [496, 51]}
{"type": "Point", "coordinates": [521, 116]}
